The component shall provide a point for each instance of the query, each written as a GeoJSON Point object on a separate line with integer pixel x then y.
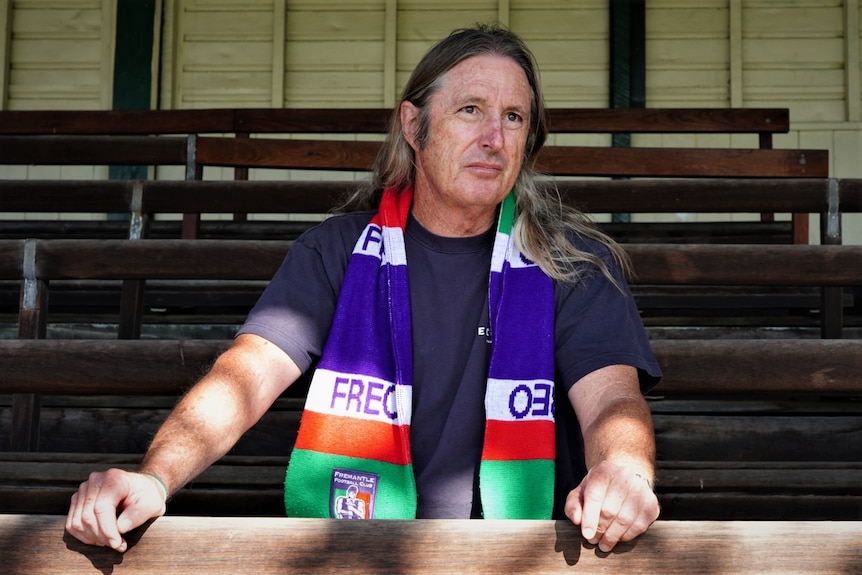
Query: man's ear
{"type": "Point", "coordinates": [409, 123]}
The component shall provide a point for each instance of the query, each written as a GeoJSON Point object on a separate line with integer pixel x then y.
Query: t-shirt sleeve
{"type": "Point", "coordinates": [598, 325]}
{"type": "Point", "coordinates": [296, 309]}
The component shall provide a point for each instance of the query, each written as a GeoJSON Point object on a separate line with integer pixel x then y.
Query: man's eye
{"type": "Point", "coordinates": [470, 109]}
{"type": "Point", "coordinates": [513, 117]}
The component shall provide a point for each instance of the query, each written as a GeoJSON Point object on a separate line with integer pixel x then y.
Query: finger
{"type": "Point", "coordinates": [77, 521]}
{"type": "Point", "coordinates": [95, 512]}
{"type": "Point", "coordinates": [595, 488]}
{"type": "Point", "coordinates": [105, 511]}
{"type": "Point", "coordinates": [617, 517]}
{"type": "Point", "coordinates": [574, 507]}
{"type": "Point", "coordinates": [648, 513]}
{"type": "Point", "coordinates": [71, 516]}
{"type": "Point", "coordinates": [104, 508]}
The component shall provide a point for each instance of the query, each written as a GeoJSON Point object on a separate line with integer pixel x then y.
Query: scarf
{"type": "Point", "coordinates": [352, 459]}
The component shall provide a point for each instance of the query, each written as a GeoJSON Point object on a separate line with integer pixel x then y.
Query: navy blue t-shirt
{"type": "Point", "coordinates": [596, 325]}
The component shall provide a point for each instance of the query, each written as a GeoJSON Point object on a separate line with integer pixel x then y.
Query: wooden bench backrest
{"type": "Point", "coordinates": [817, 367]}
{"type": "Point", "coordinates": [763, 121]}
{"type": "Point", "coordinates": [98, 150]}
{"type": "Point", "coordinates": [554, 160]}
{"type": "Point", "coordinates": [711, 195]}
{"type": "Point", "coordinates": [47, 141]}
{"type": "Point", "coordinates": [693, 264]}
{"type": "Point", "coordinates": [827, 197]}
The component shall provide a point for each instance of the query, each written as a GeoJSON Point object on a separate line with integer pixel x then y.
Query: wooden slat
{"type": "Point", "coordinates": [243, 196]}
{"type": "Point", "coordinates": [373, 120]}
{"type": "Point", "coordinates": [116, 122]}
{"type": "Point", "coordinates": [34, 544]}
{"type": "Point", "coordinates": [730, 507]}
{"type": "Point", "coordinates": [78, 196]}
{"type": "Point", "coordinates": [105, 366]}
{"type": "Point", "coordinates": [817, 476]}
{"type": "Point", "coordinates": [11, 259]}
{"type": "Point", "coordinates": [704, 195]}
{"type": "Point", "coordinates": [313, 121]}
{"type": "Point", "coordinates": [789, 265]}
{"type": "Point", "coordinates": [683, 162]}
{"type": "Point", "coordinates": [851, 195]}
{"type": "Point", "coordinates": [670, 120]}
{"type": "Point", "coordinates": [92, 150]}
{"type": "Point", "coordinates": [288, 154]}
{"type": "Point", "coordinates": [819, 367]}
{"type": "Point", "coordinates": [791, 438]}
{"type": "Point", "coordinates": [561, 120]}
{"type": "Point", "coordinates": [557, 160]}
{"type": "Point", "coordinates": [756, 366]}
{"type": "Point", "coordinates": [163, 259]}
{"type": "Point", "coordinates": [707, 195]}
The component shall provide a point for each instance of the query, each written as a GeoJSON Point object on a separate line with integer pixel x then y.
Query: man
{"type": "Point", "coordinates": [435, 383]}
{"type": "Point", "coordinates": [348, 506]}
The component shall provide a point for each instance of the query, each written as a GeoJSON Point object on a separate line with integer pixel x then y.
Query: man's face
{"type": "Point", "coordinates": [479, 120]}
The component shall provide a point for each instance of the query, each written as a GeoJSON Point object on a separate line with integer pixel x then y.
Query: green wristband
{"type": "Point", "coordinates": [159, 479]}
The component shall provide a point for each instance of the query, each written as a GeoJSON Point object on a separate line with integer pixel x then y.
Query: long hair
{"type": "Point", "coordinates": [544, 225]}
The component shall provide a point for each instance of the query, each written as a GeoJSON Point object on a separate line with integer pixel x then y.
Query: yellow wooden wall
{"type": "Point", "coordinates": [56, 55]}
{"type": "Point", "coordinates": [800, 54]}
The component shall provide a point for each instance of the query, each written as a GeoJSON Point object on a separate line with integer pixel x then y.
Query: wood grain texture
{"type": "Point", "coordinates": [37, 544]}
{"type": "Point", "coordinates": [146, 367]}
{"type": "Point", "coordinates": [374, 121]}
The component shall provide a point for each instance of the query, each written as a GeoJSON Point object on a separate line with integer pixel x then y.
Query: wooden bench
{"type": "Point", "coordinates": [743, 426]}
{"type": "Point", "coordinates": [752, 487]}
{"type": "Point", "coordinates": [126, 137]}
{"type": "Point", "coordinates": [175, 138]}
{"type": "Point", "coordinates": [142, 201]}
{"type": "Point", "coordinates": [37, 544]}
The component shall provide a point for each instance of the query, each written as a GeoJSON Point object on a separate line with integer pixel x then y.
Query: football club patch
{"type": "Point", "coordinates": [352, 494]}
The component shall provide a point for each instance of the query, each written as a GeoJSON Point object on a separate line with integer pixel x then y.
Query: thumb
{"type": "Point", "coordinates": [145, 505]}
{"type": "Point", "coordinates": [130, 518]}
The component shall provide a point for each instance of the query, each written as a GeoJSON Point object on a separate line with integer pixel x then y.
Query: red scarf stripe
{"type": "Point", "coordinates": [366, 440]}
{"type": "Point", "coordinates": [519, 440]}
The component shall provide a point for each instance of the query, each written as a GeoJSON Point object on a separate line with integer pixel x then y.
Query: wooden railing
{"type": "Point", "coordinates": [260, 546]}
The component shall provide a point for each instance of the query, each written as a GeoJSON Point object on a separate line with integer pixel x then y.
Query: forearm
{"type": "Point", "coordinates": [192, 438]}
{"type": "Point", "coordinates": [615, 420]}
{"type": "Point", "coordinates": [216, 412]}
{"type": "Point", "coordinates": [623, 434]}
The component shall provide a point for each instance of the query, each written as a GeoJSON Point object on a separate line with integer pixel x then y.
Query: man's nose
{"type": "Point", "coordinates": [492, 133]}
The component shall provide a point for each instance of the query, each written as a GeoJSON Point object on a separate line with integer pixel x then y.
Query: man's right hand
{"type": "Point", "coordinates": [112, 503]}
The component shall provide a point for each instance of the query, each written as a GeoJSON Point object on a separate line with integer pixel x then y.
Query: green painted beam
{"type": "Point", "coordinates": [133, 77]}
{"type": "Point", "coordinates": [627, 80]}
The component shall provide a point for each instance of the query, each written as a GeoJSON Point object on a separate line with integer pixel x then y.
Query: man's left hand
{"type": "Point", "coordinates": [612, 504]}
